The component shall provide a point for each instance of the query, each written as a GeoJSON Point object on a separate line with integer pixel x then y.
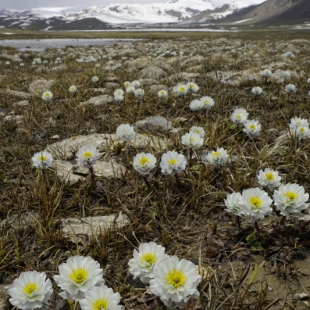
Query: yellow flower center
{"type": "Point", "coordinates": [172, 161]}
{"type": "Point", "coordinates": [269, 176]}
{"type": "Point", "coordinates": [197, 131]}
{"type": "Point", "coordinates": [144, 160]}
{"type": "Point", "coordinates": [182, 88]}
{"type": "Point", "coordinates": [42, 158]}
{"type": "Point", "coordinates": [30, 288]}
{"type": "Point", "coordinates": [291, 195]}
{"type": "Point", "coordinates": [88, 155]}
{"type": "Point", "coordinates": [252, 126]}
{"type": "Point", "coordinates": [176, 278]}
{"type": "Point", "coordinates": [215, 154]}
{"type": "Point", "coordinates": [150, 258]}
{"type": "Point", "coordinates": [302, 129]}
{"type": "Point", "coordinates": [206, 101]}
{"type": "Point", "coordinates": [238, 116]}
{"type": "Point", "coordinates": [256, 202]}
{"type": "Point", "coordinates": [79, 275]}
{"type": "Point", "coordinates": [100, 304]}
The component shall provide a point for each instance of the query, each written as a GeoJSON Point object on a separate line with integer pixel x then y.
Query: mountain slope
{"type": "Point", "coordinates": [273, 12]}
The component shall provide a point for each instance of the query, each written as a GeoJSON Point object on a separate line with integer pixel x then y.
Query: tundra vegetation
{"type": "Point", "coordinates": [176, 167]}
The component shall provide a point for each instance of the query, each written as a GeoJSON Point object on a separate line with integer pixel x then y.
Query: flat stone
{"type": "Point", "coordinates": [103, 169]}
{"type": "Point", "coordinates": [19, 94]}
{"type": "Point", "coordinates": [152, 72]}
{"type": "Point", "coordinates": [111, 85]}
{"type": "Point", "coordinates": [153, 124]}
{"type": "Point", "coordinates": [186, 76]}
{"type": "Point", "coordinates": [21, 103]}
{"type": "Point", "coordinates": [64, 170]}
{"type": "Point", "coordinates": [99, 100]}
{"type": "Point", "coordinates": [37, 87]}
{"type": "Point", "coordinates": [154, 89]}
{"type": "Point", "coordinates": [67, 148]}
{"type": "Point", "coordinates": [13, 119]}
{"type": "Point", "coordinates": [77, 229]}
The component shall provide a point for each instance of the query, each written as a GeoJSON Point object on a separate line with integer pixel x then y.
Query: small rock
{"type": "Point", "coordinates": [56, 137]}
{"type": "Point", "coordinates": [18, 119]}
{"type": "Point", "coordinates": [152, 72]}
{"type": "Point", "coordinates": [153, 124]}
{"type": "Point", "coordinates": [21, 103]}
{"type": "Point", "coordinates": [77, 229]}
{"type": "Point", "coordinates": [37, 87]}
{"type": "Point", "coordinates": [302, 296]}
{"type": "Point", "coordinates": [111, 85]}
{"type": "Point", "coordinates": [19, 94]}
{"type": "Point", "coordinates": [99, 100]}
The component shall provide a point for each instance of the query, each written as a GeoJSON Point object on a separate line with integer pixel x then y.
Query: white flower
{"type": "Point", "coordinates": [162, 94]}
{"type": "Point", "coordinates": [78, 275]}
{"type": "Point", "coordinates": [101, 298]}
{"type": "Point", "coordinates": [22, 64]}
{"type": "Point", "coordinates": [302, 132]}
{"type": "Point", "coordinates": [31, 290]}
{"type": "Point", "coordinates": [130, 89]}
{"type": "Point", "coordinates": [308, 81]}
{"type": "Point", "coordinates": [257, 91]}
{"type": "Point", "coordinates": [125, 132]}
{"type": "Point", "coordinates": [266, 73]}
{"type": "Point", "coordinates": [290, 198]}
{"type": "Point", "coordinates": [139, 93]}
{"type": "Point", "coordinates": [180, 89]}
{"type": "Point", "coordinates": [143, 261]}
{"type": "Point", "coordinates": [87, 156]}
{"type": "Point", "coordinates": [192, 87]}
{"type": "Point", "coordinates": [290, 88]}
{"type": "Point", "coordinates": [232, 203]}
{"type": "Point", "coordinates": [42, 160]}
{"type": "Point", "coordinates": [269, 178]}
{"type": "Point", "coordinates": [95, 79]}
{"type": "Point", "coordinates": [199, 130]}
{"type": "Point", "coordinates": [207, 102]}
{"type": "Point", "coordinates": [252, 128]}
{"type": "Point", "coordinates": [118, 92]}
{"type": "Point", "coordinates": [192, 140]}
{"type": "Point", "coordinates": [196, 105]}
{"type": "Point", "coordinates": [118, 98]}
{"type": "Point", "coordinates": [175, 281]}
{"type": "Point", "coordinates": [144, 163]}
{"type": "Point", "coordinates": [127, 84]}
{"type": "Point", "coordinates": [286, 74]}
{"type": "Point", "coordinates": [72, 89]}
{"type": "Point", "coordinates": [255, 203]}
{"type": "Point", "coordinates": [172, 162]}
{"type": "Point", "coordinates": [47, 95]}
{"type": "Point", "coordinates": [136, 83]}
{"type": "Point", "coordinates": [216, 158]}
{"type": "Point", "coordinates": [7, 63]}
{"type": "Point", "coordinates": [239, 116]}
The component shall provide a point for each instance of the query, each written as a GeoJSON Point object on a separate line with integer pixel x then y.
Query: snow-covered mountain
{"type": "Point", "coordinates": [171, 11]}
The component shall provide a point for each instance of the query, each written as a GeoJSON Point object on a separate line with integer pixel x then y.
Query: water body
{"type": "Point", "coordinates": [42, 44]}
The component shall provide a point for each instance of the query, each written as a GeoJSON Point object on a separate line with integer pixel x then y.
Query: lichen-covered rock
{"type": "Point", "coordinates": [37, 87]}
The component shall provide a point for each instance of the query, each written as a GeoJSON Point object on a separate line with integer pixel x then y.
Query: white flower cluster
{"type": "Point", "coordinates": [254, 202]}
{"type": "Point", "coordinates": [204, 103]}
{"type": "Point", "coordinates": [239, 116]}
{"type": "Point", "coordinates": [80, 279]}
{"type": "Point", "coordinates": [299, 128]}
{"type": "Point", "coordinates": [174, 281]}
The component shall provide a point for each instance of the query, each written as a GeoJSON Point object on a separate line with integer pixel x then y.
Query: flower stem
{"type": "Point", "coordinates": [282, 222]}
{"type": "Point", "coordinates": [256, 226]}
{"type": "Point", "coordinates": [147, 182]}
